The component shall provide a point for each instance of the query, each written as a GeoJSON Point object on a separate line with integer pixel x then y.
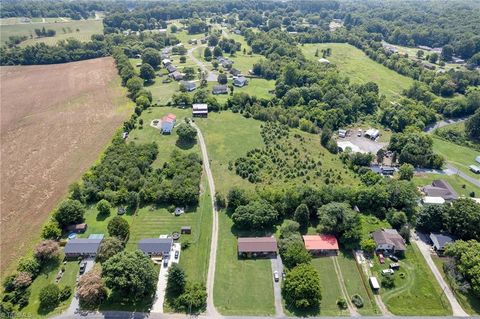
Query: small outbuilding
{"type": "Point", "coordinates": [186, 230]}
{"type": "Point", "coordinates": [235, 72]}
{"type": "Point", "coordinates": [475, 169]}
{"type": "Point", "coordinates": [257, 246]}
{"type": "Point", "coordinates": [77, 228]}
{"type": "Point", "coordinates": [439, 241]}
{"type": "Point", "coordinates": [189, 86]}
{"type": "Point", "coordinates": [200, 110]}
{"type": "Point", "coordinates": [155, 247]}
{"type": "Point", "coordinates": [82, 247]}
{"type": "Point", "coordinates": [321, 245]}
{"type": "Point", "coordinates": [220, 89]}
{"type": "Point", "coordinates": [240, 81]}
{"type": "Point", "coordinates": [372, 133]}
{"type": "Point", "coordinates": [177, 76]}
{"type": "Point", "coordinates": [170, 68]}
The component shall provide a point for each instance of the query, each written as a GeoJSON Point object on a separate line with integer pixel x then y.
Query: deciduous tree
{"type": "Point", "coordinates": [301, 288]}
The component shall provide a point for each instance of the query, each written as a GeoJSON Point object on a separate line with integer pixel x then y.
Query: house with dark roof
{"type": "Point", "coordinates": [389, 240]}
{"type": "Point", "coordinates": [177, 76]}
{"type": "Point", "coordinates": [321, 245]}
{"type": "Point", "coordinates": [220, 89]}
{"type": "Point", "coordinates": [257, 246]}
{"type": "Point", "coordinates": [439, 241]}
{"type": "Point", "coordinates": [188, 85]}
{"type": "Point", "coordinates": [84, 247]}
{"type": "Point", "coordinates": [235, 72]}
{"type": "Point", "coordinates": [155, 247]}
{"type": "Point", "coordinates": [440, 188]}
{"type": "Point", "coordinates": [240, 81]}
{"type": "Point", "coordinates": [171, 68]}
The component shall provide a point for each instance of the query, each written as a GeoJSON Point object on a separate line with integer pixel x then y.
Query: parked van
{"type": "Point", "coordinates": [374, 283]}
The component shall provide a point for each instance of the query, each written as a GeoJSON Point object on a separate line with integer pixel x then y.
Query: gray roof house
{"type": "Point", "coordinates": [82, 247]}
{"type": "Point", "coordinates": [189, 85]}
{"type": "Point", "coordinates": [389, 240]}
{"type": "Point", "coordinates": [171, 68]}
{"type": "Point", "coordinates": [220, 89]}
{"type": "Point", "coordinates": [235, 72]}
{"type": "Point", "coordinates": [440, 188]}
{"type": "Point", "coordinates": [240, 81]}
{"type": "Point", "coordinates": [177, 76]}
{"type": "Point", "coordinates": [440, 241]}
{"type": "Point", "coordinates": [156, 246]}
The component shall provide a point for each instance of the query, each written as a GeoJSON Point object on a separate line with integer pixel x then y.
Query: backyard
{"type": "Point", "coordinates": [459, 156]}
{"type": "Point", "coordinates": [461, 186]}
{"type": "Point", "coordinates": [360, 68]}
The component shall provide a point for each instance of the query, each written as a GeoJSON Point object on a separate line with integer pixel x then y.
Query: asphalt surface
{"type": "Point", "coordinates": [443, 123]}
{"type": "Point", "coordinates": [421, 241]}
{"type": "Point", "coordinates": [277, 265]}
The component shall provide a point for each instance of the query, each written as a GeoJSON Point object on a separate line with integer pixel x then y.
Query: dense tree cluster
{"type": "Point", "coordinates": [75, 10]}
{"type": "Point", "coordinates": [466, 268]}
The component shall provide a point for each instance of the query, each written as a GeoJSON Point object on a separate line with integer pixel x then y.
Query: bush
{"type": "Point", "coordinates": [65, 293]}
{"type": "Point", "coordinates": [388, 282]}
{"type": "Point", "coordinates": [342, 303]}
{"type": "Point", "coordinates": [30, 265]}
{"type": "Point", "coordinates": [357, 300]}
{"type": "Point", "coordinates": [49, 296]}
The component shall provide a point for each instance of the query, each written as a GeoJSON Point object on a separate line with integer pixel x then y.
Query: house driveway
{"type": "Point", "coordinates": [162, 279]}
{"type": "Point", "coordinates": [75, 304]}
{"type": "Point", "coordinates": [277, 265]}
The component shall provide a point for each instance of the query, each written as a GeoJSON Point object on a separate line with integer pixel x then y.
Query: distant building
{"type": "Point", "coordinates": [429, 65]}
{"type": "Point", "coordinates": [235, 72]}
{"type": "Point", "coordinates": [440, 188]}
{"type": "Point", "coordinates": [372, 133]}
{"type": "Point", "coordinates": [439, 241]}
{"type": "Point", "coordinates": [321, 244]}
{"type": "Point", "coordinates": [82, 247]}
{"type": "Point", "coordinates": [155, 247]}
{"type": "Point", "coordinates": [200, 110]}
{"type": "Point", "coordinates": [177, 76]}
{"type": "Point", "coordinates": [168, 123]}
{"type": "Point", "coordinates": [166, 61]}
{"type": "Point", "coordinates": [220, 89]}
{"type": "Point", "coordinates": [255, 246]}
{"type": "Point", "coordinates": [323, 61]}
{"type": "Point", "coordinates": [387, 170]}
{"type": "Point", "coordinates": [171, 68]}
{"type": "Point", "coordinates": [189, 85]}
{"type": "Point", "coordinates": [240, 81]}
{"type": "Point", "coordinates": [389, 240]}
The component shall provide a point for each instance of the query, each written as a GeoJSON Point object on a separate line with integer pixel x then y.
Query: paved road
{"type": "Point", "coordinates": [421, 242]}
{"type": "Point", "coordinates": [466, 177]}
{"type": "Point", "coordinates": [211, 311]}
{"type": "Point", "coordinates": [431, 128]}
{"type": "Point", "coordinates": [211, 76]}
{"type": "Point", "coordinates": [277, 265]}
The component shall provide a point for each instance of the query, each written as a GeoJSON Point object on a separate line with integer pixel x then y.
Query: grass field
{"type": "Point", "coordinates": [418, 292]}
{"type": "Point", "coordinates": [64, 31]}
{"type": "Point", "coordinates": [469, 303]}
{"type": "Point", "coordinates": [356, 283]}
{"type": "Point", "coordinates": [47, 276]}
{"type": "Point", "coordinates": [242, 287]}
{"type": "Point", "coordinates": [330, 287]}
{"type": "Point", "coordinates": [456, 181]}
{"type": "Point", "coordinates": [459, 156]}
{"type": "Point", "coordinates": [360, 68]}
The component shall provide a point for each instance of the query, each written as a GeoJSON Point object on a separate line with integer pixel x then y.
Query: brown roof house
{"type": "Point", "coordinates": [389, 240]}
{"type": "Point", "coordinates": [440, 188]}
{"type": "Point", "coordinates": [257, 246]}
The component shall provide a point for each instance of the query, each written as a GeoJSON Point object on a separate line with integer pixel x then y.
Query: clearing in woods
{"type": "Point", "coordinates": [55, 121]}
{"type": "Point", "coordinates": [360, 68]}
{"type": "Point", "coordinates": [81, 30]}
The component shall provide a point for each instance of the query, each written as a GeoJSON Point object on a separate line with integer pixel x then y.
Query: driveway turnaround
{"type": "Point", "coordinates": [421, 241]}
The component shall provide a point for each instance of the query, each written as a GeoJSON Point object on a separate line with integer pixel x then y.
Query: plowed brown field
{"type": "Point", "coordinates": [55, 121]}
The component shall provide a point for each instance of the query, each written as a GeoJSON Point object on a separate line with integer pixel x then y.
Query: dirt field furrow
{"type": "Point", "coordinates": [55, 121]}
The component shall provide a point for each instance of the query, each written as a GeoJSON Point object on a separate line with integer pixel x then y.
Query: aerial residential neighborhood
{"type": "Point", "coordinates": [240, 159]}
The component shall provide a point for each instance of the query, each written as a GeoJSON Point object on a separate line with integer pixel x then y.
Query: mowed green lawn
{"type": "Point", "coordinates": [461, 186]}
{"type": "Point", "coordinates": [242, 287]}
{"type": "Point", "coordinates": [459, 156]}
{"type": "Point", "coordinates": [64, 31]}
{"type": "Point", "coordinates": [360, 68]}
{"type": "Point", "coordinates": [331, 291]}
{"type": "Point", "coordinates": [47, 276]}
{"type": "Point", "coordinates": [356, 283]}
{"type": "Point", "coordinates": [416, 294]}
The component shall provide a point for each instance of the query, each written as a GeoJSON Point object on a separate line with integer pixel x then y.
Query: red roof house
{"type": "Point", "coordinates": [321, 244]}
{"type": "Point", "coordinates": [169, 118]}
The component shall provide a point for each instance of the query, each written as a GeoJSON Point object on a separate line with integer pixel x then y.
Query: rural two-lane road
{"type": "Point", "coordinates": [211, 311]}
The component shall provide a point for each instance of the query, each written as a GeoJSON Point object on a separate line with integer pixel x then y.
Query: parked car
{"type": "Point", "coordinates": [387, 272]}
{"type": "Point", "coordinates": [83, 265]}
{"type": "Point", "coordinates": [381, 258]}
{"type": "Point", "coordinates": [176, 254]}
{"type": "Point", "coordinates": [393, 258]}
{"type": "Point", "coordinates": [276, 277]}
{"type": "Point", "coordinates": [394, 266]}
